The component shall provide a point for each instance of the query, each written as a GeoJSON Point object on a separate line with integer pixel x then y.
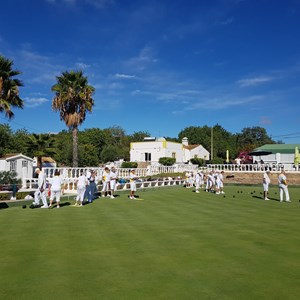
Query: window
{"type": "Point", "coordinates": [147, 156]}
{"type": "Point", "coordinates": [173, 154]}
{"type": "Point", "coordinates": [13, 165]}
{"type": "Point", "coordinates": [24, 163]}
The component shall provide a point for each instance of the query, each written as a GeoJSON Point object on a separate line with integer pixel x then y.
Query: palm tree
{"type": "Point", "coordinates": [40, 145]}
{"type": "Point", "coordinates": [73, 98]}
{"type": "Point", "coordinates": [9, 88]}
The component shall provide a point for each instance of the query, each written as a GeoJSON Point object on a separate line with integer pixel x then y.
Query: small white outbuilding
{"type": "Point", "coordinates": [21, 164]}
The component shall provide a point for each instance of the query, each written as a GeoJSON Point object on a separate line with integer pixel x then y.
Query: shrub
{"type": "Point", "coordinates": [129, 165]}
{"type": "Point", "coordinates": [167, 161]}
{"type": "Point", "coordinates": [198, 161]}
{"type": "Point", "coordinates": [217, 161]}
{"type": "Point", "coordinates": [9, 177]}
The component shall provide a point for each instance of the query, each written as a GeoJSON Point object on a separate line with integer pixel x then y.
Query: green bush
{"type": "Point", "coordinates": [9, 177]}
{"type": "Point", "coordinates": [129, 165]}
{"type": "Point", "coordinates": [167, 161]}
{"type": "Point", "coordinates": [217, 161]}
{"type": "Point", "coordinates": [198, 161]}
{"type": "Point", "coordinates": [5, 196]}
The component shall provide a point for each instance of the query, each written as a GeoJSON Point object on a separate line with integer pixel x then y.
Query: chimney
{"type": "Point", "coordinates": [185, 141]}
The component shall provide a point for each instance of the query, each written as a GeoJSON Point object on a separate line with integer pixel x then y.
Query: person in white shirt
{"type": "Point", "coordinates": [81, 182]}
{"type": "Point", "coordinates": [106, 182]}
{"type": "Point", "coordinates": [210, 181]}
{"type": "Point", "coordinates": [218, 182]}
{"type": "Point", "coordinates": [40, 192]}
{"type": "Point", "coordinates": [132, 179]}
{"type": "Point", "coordinates": [221, 182]}
{"type": "Point", "coordinates": [187, 179]}
{"type": "Point", "coordinates": [266, 182]}
{"type": "Point", "coordinates": [113, 181]}
{"type": "Point", "coordinates": [56, 184]}
{"type": "Point", "coordinates": [197, 181]}
{"type": "Point", "coordinates": [283, 187]}
{"type": "Point", "coordinates": [191, 180]}
{"type": "Point", "coordinates": [201, 179]}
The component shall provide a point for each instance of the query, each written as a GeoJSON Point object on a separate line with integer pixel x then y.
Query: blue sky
{"type": "Point", "coordinates": [160, 65]}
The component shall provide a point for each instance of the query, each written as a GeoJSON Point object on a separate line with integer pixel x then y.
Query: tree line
{"type": "Point", "coordinates": [99, 146]}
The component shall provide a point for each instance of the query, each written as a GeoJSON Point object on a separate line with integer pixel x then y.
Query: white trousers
{"type": "Point", "coordinates": [80, 193]}
{"type": "Point", "coordinates": [113, 185]}
{"type": "Point", "coordinates": [37, 195]}
{"type": "Point", "coordinates": [132, 186]}
{"type": "Point", "coordinates": [105, 187]}
{"type": "Point", "coordinates": [55, 194]}
{"type": "Point", "coordinates": [283, 189]}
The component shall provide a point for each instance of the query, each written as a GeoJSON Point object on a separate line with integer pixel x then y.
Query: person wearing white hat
{"type": "Point", "coordinates": [40, 191]}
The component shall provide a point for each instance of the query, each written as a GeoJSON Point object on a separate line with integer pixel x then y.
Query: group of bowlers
{"type": "Point", "coordinates": [86, 187]}
{"type": "Point", "coordinates": [211, 182]}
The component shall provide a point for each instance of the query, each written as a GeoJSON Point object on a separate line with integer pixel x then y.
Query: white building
{"type": "Point", "coordinates": [21, 164]}
{"type": "Point", "coordinates": [277, 154]}
{"type": "Point", "coordinates": [152, 149]}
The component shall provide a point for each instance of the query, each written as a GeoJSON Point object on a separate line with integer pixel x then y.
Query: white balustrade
{"type": "Point", "coordinates": [70, 175]}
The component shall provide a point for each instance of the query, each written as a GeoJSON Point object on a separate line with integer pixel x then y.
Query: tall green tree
{"type": "Point", "coordinates": [5, 139]}
{"type": "Point", "coordinates": [94, 137]}
{"type": "Point", "coordinates": [73, 98]}
{"type": "Point", "coordinates": [40, 145]}
{"type": "Point", "coordinates": [252, 137]}
{"type": "Point", "coordinates": [63, 147]}
{"type": "Point", "coordinates": [20, 140]}
{"type": "Point", "coordinates": [9, 87]}
{"type": "Point", "coordinates": [138, 136]}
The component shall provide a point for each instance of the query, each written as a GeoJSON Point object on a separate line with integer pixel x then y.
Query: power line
{"type": "Point", "coordinates": [22, 125]}
{"type": "Point", "coordinates": [288, 134]}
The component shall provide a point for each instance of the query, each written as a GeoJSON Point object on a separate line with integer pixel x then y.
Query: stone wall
{"type": "Point", "coordinates": [256, 178]}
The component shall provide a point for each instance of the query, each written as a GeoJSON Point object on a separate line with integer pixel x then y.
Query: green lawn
{"type": "Point", "coordinates": [174, 244]}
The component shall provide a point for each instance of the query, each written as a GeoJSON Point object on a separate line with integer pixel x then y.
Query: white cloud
{"type": "Point", "coordinates": [265, 120]}
{"type": "Point", "coordinates": [65, 1]}
{"type": "Point", "coordinates": [96, 3]}
{"type": "Point", "coordinates": [35, 102]}
{"type": "Point", "coordinates": [254, 81]}
{"type": "Point", "coordinates": [39, 68]}
{"type": "Point", "coordinates": [220, 103]}
{"type": "Point", "coordinates": [124, 76]}
{"type": "Point", "coordinates": [226, 22]}
{"type": "Point", "coordinates": [81, 65]}
{"type": "Point", "coordinates": [100, 3]}
{"type": "Point", "coordinates": [143, 59]}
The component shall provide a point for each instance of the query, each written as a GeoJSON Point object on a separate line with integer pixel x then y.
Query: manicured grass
{"type": "Point", "coordinates": [174, 244]}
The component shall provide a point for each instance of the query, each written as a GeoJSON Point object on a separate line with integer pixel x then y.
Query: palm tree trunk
{"type": "Point", "coordinates": [75, 146]}
{"type": "Point", "coordinates": [39, 162]}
